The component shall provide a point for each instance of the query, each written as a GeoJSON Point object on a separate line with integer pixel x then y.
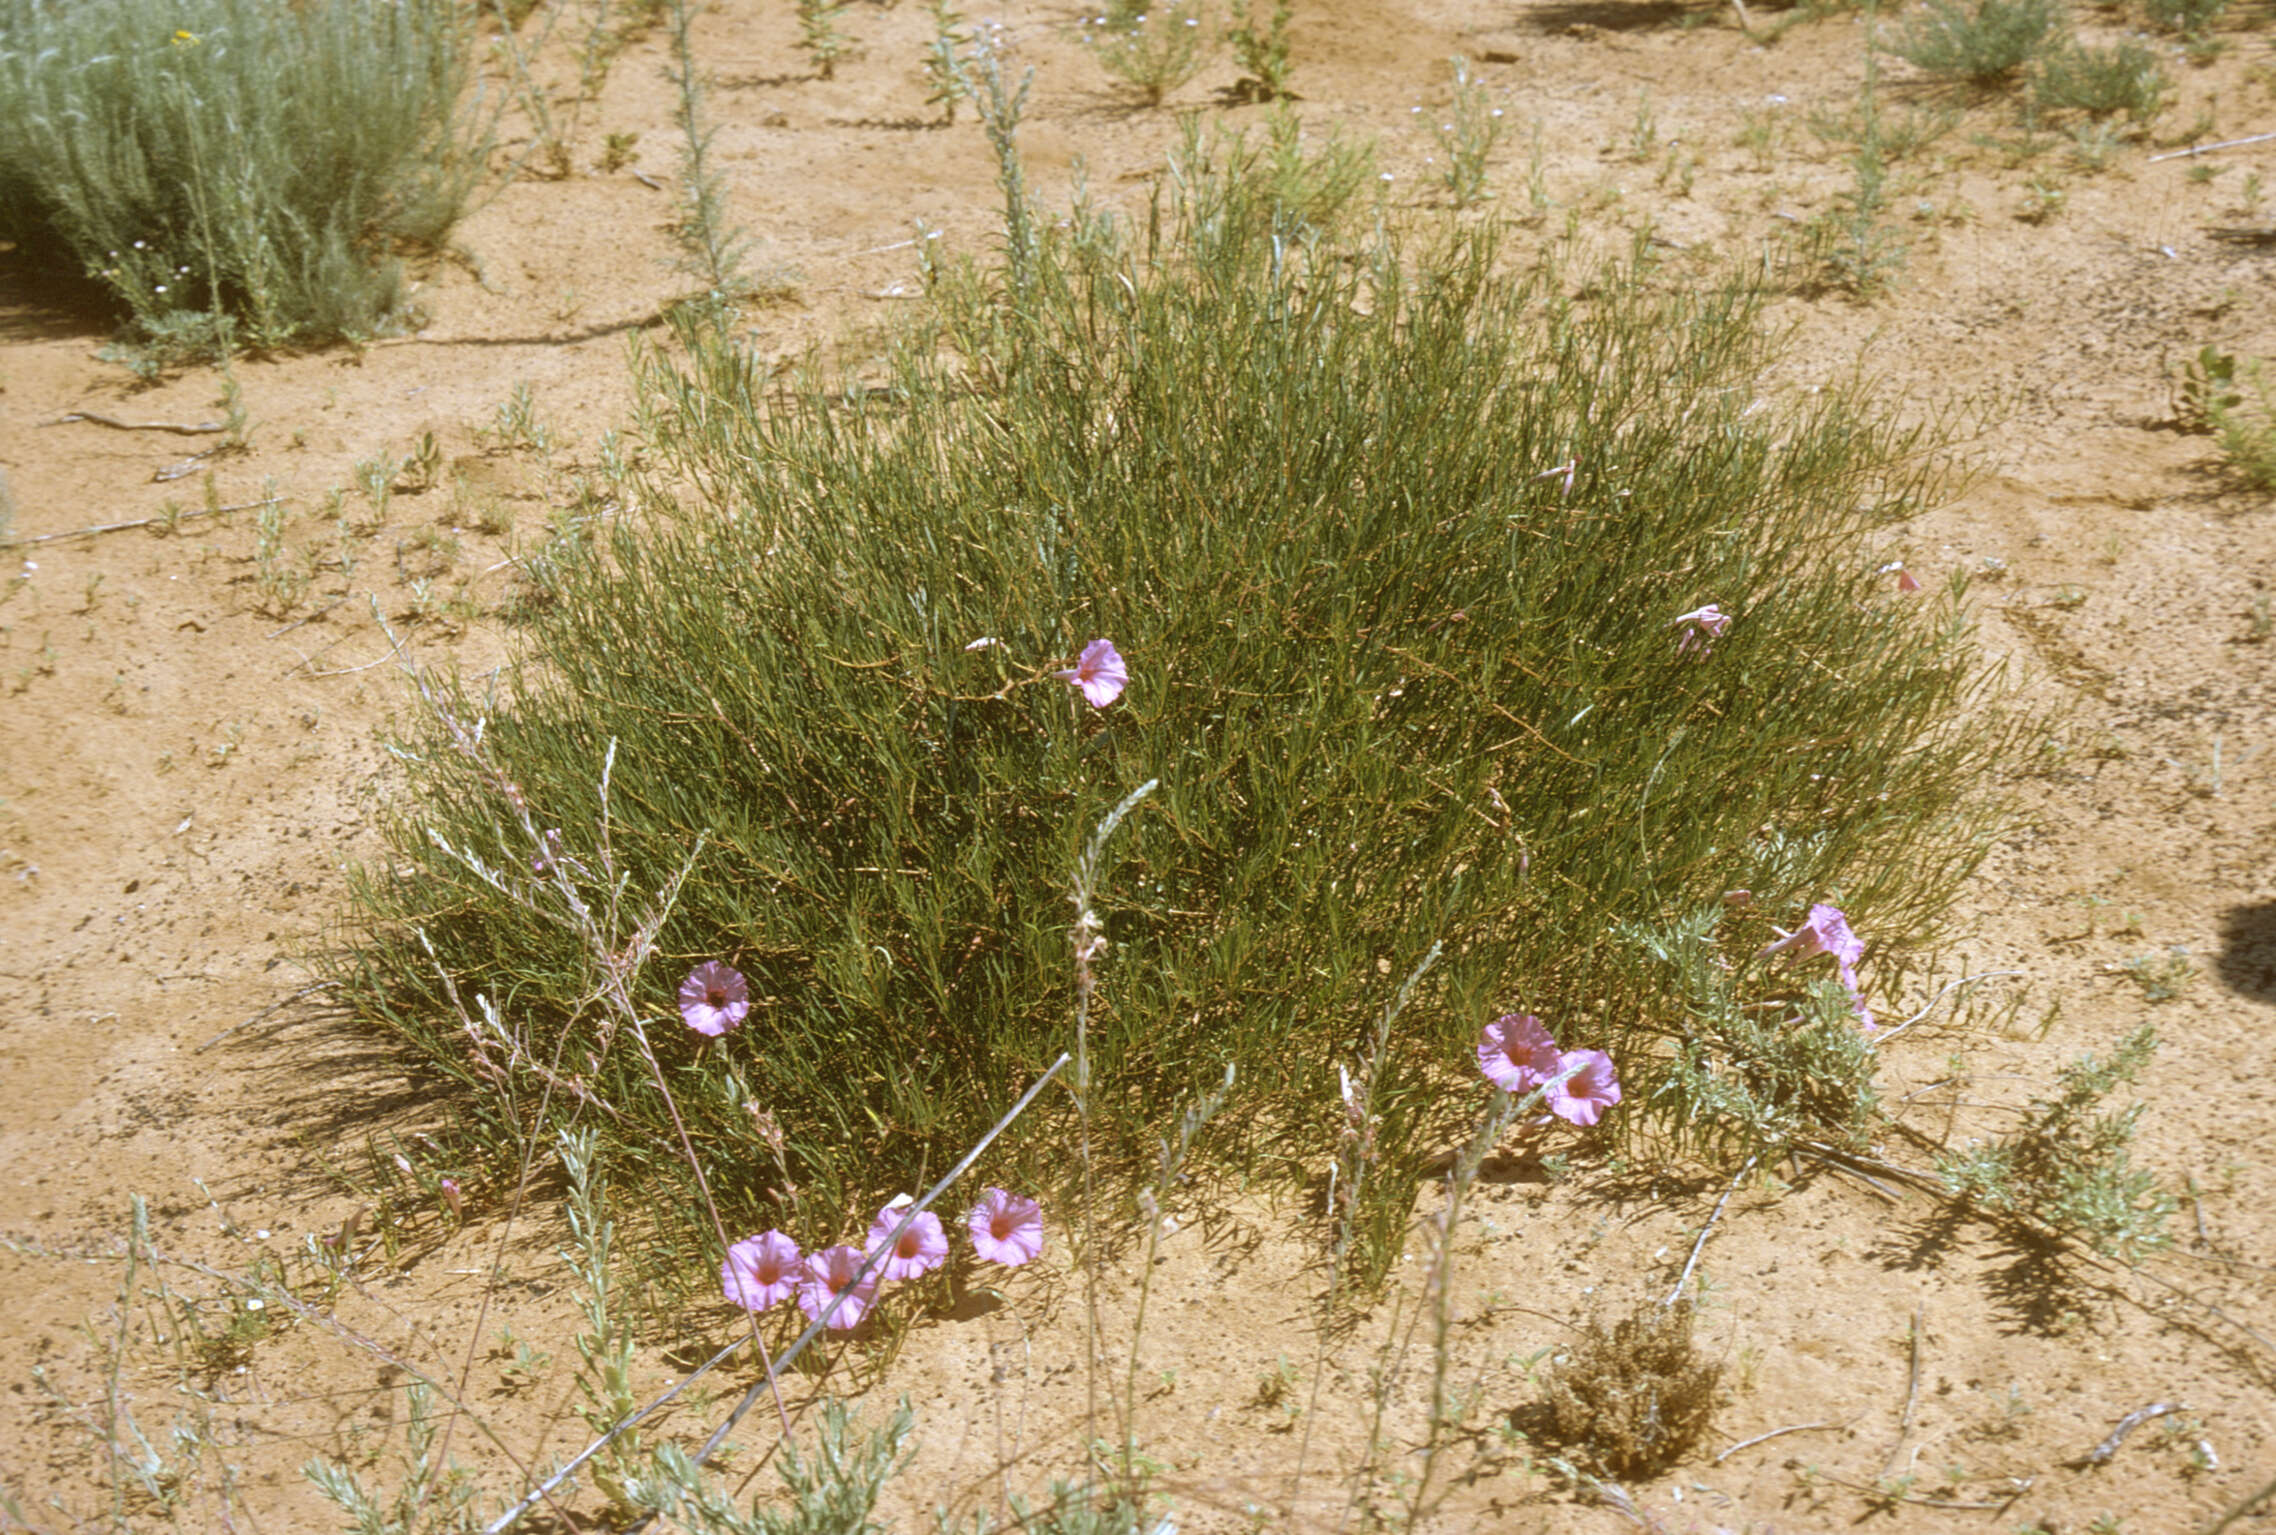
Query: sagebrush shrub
{"type": "Point", "coordinates": [1984, 42]}
{"type": "Point", "coordinates": [234, 168]}
{"type": "Point", "coordinates": [2102, 81]}
{"type": "Point", "coordinates": [1394, 540]}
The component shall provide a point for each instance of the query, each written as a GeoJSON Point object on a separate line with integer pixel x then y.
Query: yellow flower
{"type": "Point", "coordinates": [186, 39]}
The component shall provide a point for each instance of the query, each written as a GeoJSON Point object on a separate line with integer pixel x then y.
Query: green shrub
{"type": "Point", "coordinates": [2070, 1167]}
{"type": "Point", "coordinates": [2102, 81]}
{"type": "Point", "coordinates": [233, 166]}
{"type": "Point", "coordinates": [1155, 45]}
{"type": "Point", "coordinates": [2190, 18]}
{"type": "Point", "coordinates": [2246, 426]}
{"type": "Point", "coordinates": [1984, 43]}
{"type": "Point", "coordinates": [1393, 541]}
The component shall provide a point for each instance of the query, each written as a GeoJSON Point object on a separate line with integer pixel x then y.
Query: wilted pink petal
{"type": "Point", "coordinates": [1594, 1087]}
{"type": "Point", "coordinates": [1738, 898]}
{"type": "Point", "coordinates": [762, 1271]}
{"type": "Point", "coordinates": [714, 998]}
{"type": "Point", "coordinates": [831, 1272]}
{"type": "Point", "coordinates": [1006, 1228]}
{"type": "Point", "coordinates": [1702, 627]}
{"type": "Point", "coordinates": [1099, 673]}
{"type": "Point", "coordinates": [1906, 580]}
{"type": "Point", "coordinates": [1516, 1053]}
{"type": "Point", "coordinates": [919, 1250]}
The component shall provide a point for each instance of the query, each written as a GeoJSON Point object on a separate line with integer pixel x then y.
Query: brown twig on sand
{"type": "Point", "coordinates": [2101, 1453]}
{"type": "Point", "coordinates": [1912, 1396]}
{"type": "Point", "coordinates": [1748, 1444]}
{"type": "Point", "coordinates": [1699, 1246]}
{"type": "Point", "coordinates": [2206, 149]}
{"type": "Point", "coordinates": [2239, 1510]}
{"type": "Point", "coordinates": [178, 428]}
{"type": "Point", "coordinates": [139, 522]}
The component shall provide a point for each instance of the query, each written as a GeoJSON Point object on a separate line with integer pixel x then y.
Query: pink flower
{"type": "Point", "coordinates": [714, 998]}
{"type": "Point", "coordinates": [1006, 1228]}
{"type": "Point", "coordinates": [1702, 627]}
{"type": "Point", "coordinates": [1594, 1087]}
{"type": "Point", "coordinates": [918, 1250]}
{"type": "Point", "coordinates": [1516, 1053]}
{"type": "Point", "coordinates": [1906, 580]}
{"type": "Point", "coordinates": [761, 1271]}
{"type": "Point", "coordinates": [830, 1272]}
{"type": "Point", "coordinates": [1099, 673]}
{"type": "Point", "coordinates": [1827, 932]}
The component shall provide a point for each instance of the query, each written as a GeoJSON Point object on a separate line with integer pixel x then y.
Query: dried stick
{"type": "Point", "coordinates": [2206, 149]}
{"type": "Point", "coordinates": [2101, 1453]}
{"type": "Point", "coordinates": [178, 428]}
{"type": "Point", "coordinates": [1748, 1444]}
{"type": "Point", "coordinates": [1948, 988]}
{"type": "Point", "coordinates": [139, 522]}
{"type": "Point", "coordinates": [1700, 1246]}
{"type": "Point", "coordinates": [1912, 1396]}
{"type": "Point", "coordinates": [2252, 1500]}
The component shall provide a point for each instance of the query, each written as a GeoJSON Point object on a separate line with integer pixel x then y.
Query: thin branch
{"type": "Point", "coordinates": [178, 428]}
{"type": "Point", "coordinates": [1699, 1246]}
{"type": "Point", "coordinates": [2101, 1453]}
{"type": "Point", "coordinates": [1912, 1396]}
{"type": "Point", "coordinates": [1948, 988]}
{"type": "Point", "coordinates": [1791, 1428]}
{"type": "Point", "coordinates": [168, 518]}
{"type": "Point", "coordinates": [2206, 149]}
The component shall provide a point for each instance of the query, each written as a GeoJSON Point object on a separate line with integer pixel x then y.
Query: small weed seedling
{"type": "Point", "coordinates": [1467, 135]}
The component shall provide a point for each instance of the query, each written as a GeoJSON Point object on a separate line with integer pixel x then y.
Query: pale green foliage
{"type": "Point", "coordinates": [819, 35]}
{"type": "Point", "coordinates": [832, 1489]}
{"type": "Point", "coordinates": [1155, 45]}
{"type": "Point", "coordinates": [945, 78]}
{"type": "Point", "coordinates": [1467, 135]}
{"type": "Point", "coordinates": [1981, 41]}
{"type": "Point", "coordinates": [2102, 82]}
{"type": "Point", "coordinates": [431, 1495]}
{"type": "Point", "coordinates": [1261, 51]}
{"type": "Point", "coordinates": [2069, 1164]}
{"type": "Point", "coordinates": [2190, 18]}
{"type": "Point", "coordinates": [234, 167]}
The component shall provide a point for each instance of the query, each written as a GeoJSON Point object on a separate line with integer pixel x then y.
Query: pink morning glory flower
{"type": "Point", "coordinates": [1827, 932]}
{"type": "Point", "coordinates": [831, 1272]}
{"type": "Point", "coordinates": [1516, 1053]}
{"type": "Point", "coordinates": [1593, 1087]}
{"type": "Point", "coordinates": [762, 1271]}
{"type": "Point", "coordinates": [1099, 673]}
{"type": "Point", "coordinates": [1006, 1228]}
{"type": "Point", "coordinates": [714, 998]}
{"type": "Point", "coordinates": [918, 1250]}
{"type": "Point", "coordinates": [1702, 627]}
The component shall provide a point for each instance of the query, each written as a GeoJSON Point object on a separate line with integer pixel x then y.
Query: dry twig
{"type": "Point", "coordinates": [2101, 1453]}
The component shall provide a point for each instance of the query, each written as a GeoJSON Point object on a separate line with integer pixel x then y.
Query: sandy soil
{"type": "Point", "coordinates": [185, 766]}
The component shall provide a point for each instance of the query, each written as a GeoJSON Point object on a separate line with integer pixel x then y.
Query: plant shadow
{"type": "Point", "coordinates": [2246, 961]}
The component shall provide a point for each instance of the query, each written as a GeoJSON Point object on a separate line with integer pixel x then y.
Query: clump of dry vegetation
{"type": "Point", "coordinates": [1633, 1398]}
